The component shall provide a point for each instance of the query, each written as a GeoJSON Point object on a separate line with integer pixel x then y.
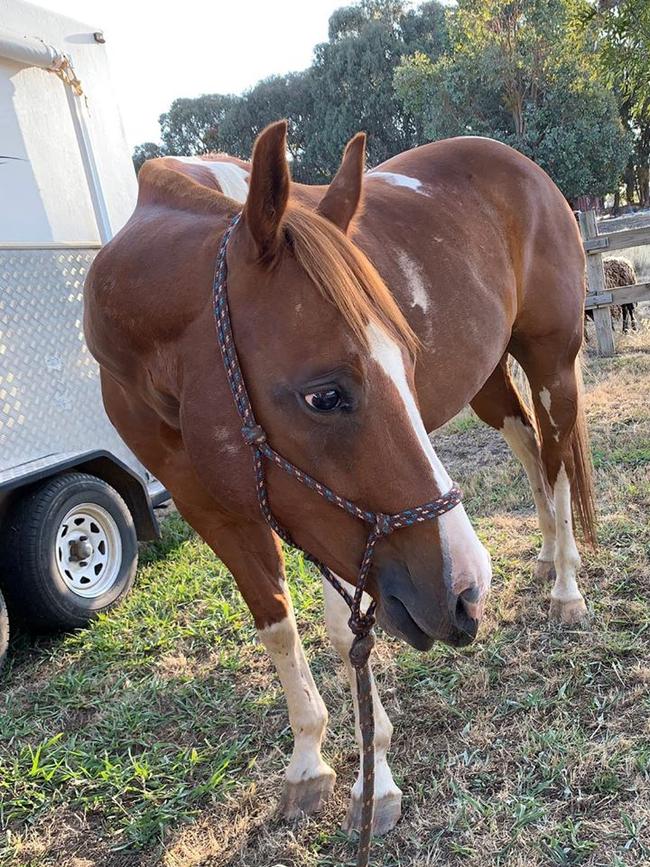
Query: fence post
{"type": "Point", "coordinates": [596, 284]}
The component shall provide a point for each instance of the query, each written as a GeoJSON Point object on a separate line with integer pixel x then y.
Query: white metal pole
{"type": "Point", "coordinates": [77, 112]}
{"type": "Point", "coordinates": [31, 51]}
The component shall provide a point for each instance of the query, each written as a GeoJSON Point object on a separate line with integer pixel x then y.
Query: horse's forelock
{"type": "Point", "coordinates": [344, 276]}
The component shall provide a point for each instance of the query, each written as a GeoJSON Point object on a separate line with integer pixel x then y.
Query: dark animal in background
{"type": "Point", "coordinates": [619, 272]}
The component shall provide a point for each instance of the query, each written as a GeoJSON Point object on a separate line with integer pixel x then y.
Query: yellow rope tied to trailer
{"type": "Point", "coordinates": [63, 69]}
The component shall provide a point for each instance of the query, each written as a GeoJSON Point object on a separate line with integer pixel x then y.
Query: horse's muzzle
{"type": "Point", "coordinates": [403, 613]}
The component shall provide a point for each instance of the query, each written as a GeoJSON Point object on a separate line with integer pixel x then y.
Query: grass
{"type": "Point", "coordinates": [158, 735]}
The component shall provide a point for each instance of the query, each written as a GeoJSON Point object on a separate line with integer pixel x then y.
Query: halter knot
{"type": "Point", "coordinates": [383, 524]}
{"type": "Point", "coordinates": [361, 649]}
{"type": "Point", "coordinates": [254, 435]}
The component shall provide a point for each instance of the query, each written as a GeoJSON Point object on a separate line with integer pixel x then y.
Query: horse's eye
{"type": "Point", "coordinates": [324, 401]}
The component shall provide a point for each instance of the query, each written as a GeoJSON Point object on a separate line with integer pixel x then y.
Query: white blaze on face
{"type": "Point", "coordinates": [397, 180]}
{"type": "Point", "coordinates": [231, 177]}
{"type": "Point", "coordinates": [470, 562]}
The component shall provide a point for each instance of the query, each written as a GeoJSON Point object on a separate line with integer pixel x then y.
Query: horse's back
{"type": "Point", "coordinates": [508, 218]}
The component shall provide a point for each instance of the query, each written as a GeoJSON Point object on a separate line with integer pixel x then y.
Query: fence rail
{"type": "Point", "coordinates": [599, 296]}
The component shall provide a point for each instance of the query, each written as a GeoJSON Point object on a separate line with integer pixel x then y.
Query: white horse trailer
{"type": "Point", "coordinates": [73, 498]}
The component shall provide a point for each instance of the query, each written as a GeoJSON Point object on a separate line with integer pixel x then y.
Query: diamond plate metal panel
{"type": "Point", "coordinates": [50, 399]}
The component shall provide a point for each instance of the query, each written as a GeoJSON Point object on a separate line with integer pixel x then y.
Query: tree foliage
{"type": "Point", "coordinates": [348, 87]}
{"type": "Point", "coordinates": [193, 126]}
{"type": "Point", "coordinates": [515, 72]}
{"type": "Point", "coordinates": [567, 82]}
{"type": "Point", "coordinates": [620, 30]}
{"type": "Point", "coordinates": [149, 150]}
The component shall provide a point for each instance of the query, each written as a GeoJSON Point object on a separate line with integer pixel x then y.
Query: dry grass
{"type": "Point", "coordinates": [532, 747]}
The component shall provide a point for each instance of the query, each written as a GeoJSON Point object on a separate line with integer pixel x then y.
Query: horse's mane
{"type": "Point", "coordinates": [344, 276]}
{"type": "Point", "coordinates": [339, 270]}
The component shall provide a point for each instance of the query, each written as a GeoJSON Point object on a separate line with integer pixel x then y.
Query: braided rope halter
{"type": "Point", "coordinates": [360, 622]}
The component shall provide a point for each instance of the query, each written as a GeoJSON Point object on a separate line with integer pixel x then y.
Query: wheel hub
{"type": "Point", "coordinates": [80, 550]}
{"type": "Point", "coordinates": [88, 550]}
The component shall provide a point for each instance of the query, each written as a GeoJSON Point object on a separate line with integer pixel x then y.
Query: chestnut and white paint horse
{"type": "Point", "coordinates": [462, 253]}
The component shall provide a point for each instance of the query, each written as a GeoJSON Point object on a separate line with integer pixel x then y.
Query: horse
{"type": "Point", "coordinates": [455, 255]}
{"type": "Point", "coordinates": [619, 272]}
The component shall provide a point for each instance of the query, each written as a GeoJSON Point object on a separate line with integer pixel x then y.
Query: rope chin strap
{"type": "Point", "coordinates": [360, 622]}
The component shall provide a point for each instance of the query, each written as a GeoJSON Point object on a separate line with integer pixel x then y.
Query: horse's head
{"type": "Point", "coordinates": [329, 359]}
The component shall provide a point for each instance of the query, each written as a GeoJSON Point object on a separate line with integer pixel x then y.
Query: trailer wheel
{"type": "Point", "coordinates": [70, 551]}
{"type": "Point", "coordinates": [4, 630]}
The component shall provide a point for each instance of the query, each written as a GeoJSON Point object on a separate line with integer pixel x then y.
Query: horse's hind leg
{"type": "Point", "coordinates": [388, 798]}
{"type": "Point", "coordinates": [253, 556]}
{"type": "Point", "coordinates": [553, 374]}
{"type": "Point", "coordinates": [499, 405]}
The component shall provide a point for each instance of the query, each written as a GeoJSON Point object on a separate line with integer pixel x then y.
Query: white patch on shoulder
{"type": "Point", "coordinates": [545, 398]}
{"type": "Point", "coordinates": [397, 180]}
{"type": "Point", "coordinates": [231, 177]}
{"type": "Point", "coordinates": [226, 440]}
{"type": "Point", "coordinates": [414, 274]}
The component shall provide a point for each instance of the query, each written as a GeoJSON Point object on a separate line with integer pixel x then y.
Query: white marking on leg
{"type": "Point", "coordinates": [414, 274]}
{"type": "Point", "coordinates": [337, 614]}
{"type": "Point", "coordinates": [397, 180]}
{"type": "Point", "coordinates": [521, 439]}
{"type": "Point", "coordinates": [545, 399]}
{"type": "Point", "coordinates": [470, 560]}
{"type": "Point", "coordinates": [231, 177]}
{"type": "Point", "coordinates": [567, 558]}
{"type": "Point", "coordinates": [307, 711]}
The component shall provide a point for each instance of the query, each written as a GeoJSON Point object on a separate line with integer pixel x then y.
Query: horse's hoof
{"type": "Point", "coordinates": [307, 796]}
{"type": "Point", "coordinates": [545, 570]}
{"type": "Point", "coordinates": [569, 612]}
{"type": "Point", "coordinates": [388, 810]}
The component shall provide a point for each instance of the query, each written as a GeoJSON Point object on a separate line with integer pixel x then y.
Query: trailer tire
{"type": "Point", "coordinates": [70, 551]}
{"type": "Point", "coordinates": [4, 630]}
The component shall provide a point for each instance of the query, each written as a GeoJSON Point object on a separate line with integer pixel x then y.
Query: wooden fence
{"type": "Point", "coordinates": [599, 297]}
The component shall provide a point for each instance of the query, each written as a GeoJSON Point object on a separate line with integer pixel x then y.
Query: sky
{"type": "Point", "coordinates": [196, 47]}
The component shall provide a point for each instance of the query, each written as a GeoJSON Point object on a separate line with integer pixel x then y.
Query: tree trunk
{"type": "Point", "coordinates": [643, 179]}
{"type": "Point", "coordinates": [629, 182]}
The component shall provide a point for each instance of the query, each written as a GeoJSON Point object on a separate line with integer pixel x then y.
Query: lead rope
{"type": "Point", "coordinates": [360, 622]}
{"type": "Point", "coordinates": [360, 658]}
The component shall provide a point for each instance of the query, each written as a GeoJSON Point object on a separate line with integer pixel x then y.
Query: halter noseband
{"type": "Point", "coordinates": [361, 623]}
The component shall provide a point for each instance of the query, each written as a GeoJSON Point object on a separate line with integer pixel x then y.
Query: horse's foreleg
{"type": "Point", "coordinates": [499, 405]}
{"type": "Point", "coordinates": [309, 780]}
{"type": "Point", "coordinates": [254, 557]}
{"type": "Point", "coordinates": [388, 797]}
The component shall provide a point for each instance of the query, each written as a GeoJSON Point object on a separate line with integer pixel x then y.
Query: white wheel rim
{"type": "Point", "coordinates": [88, 550]}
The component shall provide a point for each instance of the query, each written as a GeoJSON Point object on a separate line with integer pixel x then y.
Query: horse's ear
{"type": "Point", "coordinates": [341, 201]}
{"type": "Point", "coordinates": [268, 189]}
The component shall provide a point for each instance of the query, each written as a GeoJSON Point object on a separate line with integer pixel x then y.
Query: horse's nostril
{"type": "Point", "coordinates": [464, 620]}
{"type": "Point", "coordinates": [471, 595]}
